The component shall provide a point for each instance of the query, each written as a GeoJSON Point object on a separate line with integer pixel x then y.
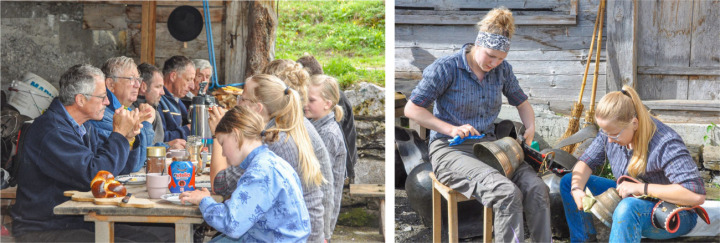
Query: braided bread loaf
{"type": "Point", "coordinates": [104, 185]}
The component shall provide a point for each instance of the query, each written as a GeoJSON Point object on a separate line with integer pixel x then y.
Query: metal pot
{"type": "Point", "coordinates": [505, 154]}
{"type": "Point", "coordinates": [558, 223]}
{"type": "Point", "coordinates": [605, 205]}
{"type": "Point", "coordinates": [410, 151]}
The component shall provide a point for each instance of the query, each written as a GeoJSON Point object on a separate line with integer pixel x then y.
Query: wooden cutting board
{"type": "Point", "coordinates": [88, 197]}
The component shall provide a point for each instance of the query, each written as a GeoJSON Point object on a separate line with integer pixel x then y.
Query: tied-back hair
{"type": "Point", "coordinates": [498, 21]}
{"type": "Point", "coordinates": [245, 123]}
{"type": "Point", "coordinates": [292, 73]}
{"type": "Point", "coordinates": [287, 110]}
{"type": "Point", "coordinates": [329, 90]}
{"type": "Point", "coordinates": [620, 107]}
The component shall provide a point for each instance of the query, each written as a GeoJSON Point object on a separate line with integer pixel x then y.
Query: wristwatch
{"type": "Point", "coordinates": [575, 188]}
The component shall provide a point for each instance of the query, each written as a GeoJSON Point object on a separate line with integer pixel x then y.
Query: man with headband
{"type": "Point", "coordinates": [466, 89]}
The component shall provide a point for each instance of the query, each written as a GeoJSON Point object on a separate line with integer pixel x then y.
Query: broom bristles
{"type": "Point", "coordinates": [573, 126]}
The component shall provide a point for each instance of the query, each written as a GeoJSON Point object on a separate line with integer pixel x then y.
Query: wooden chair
{"type": "Point", "coordinates": [453, 198]}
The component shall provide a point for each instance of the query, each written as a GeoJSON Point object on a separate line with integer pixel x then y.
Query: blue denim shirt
{"type": "Point", "coordinates": [668, 161]}
{"type": "Point", "coordinates": [461, 98]}
{"type": "Point", "coordinates": [266, 206]}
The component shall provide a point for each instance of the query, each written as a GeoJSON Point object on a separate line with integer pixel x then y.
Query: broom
{"type": "Point", "coordinates": [577, 110]}
{"type": "Point", "coordinates": [590, 114]}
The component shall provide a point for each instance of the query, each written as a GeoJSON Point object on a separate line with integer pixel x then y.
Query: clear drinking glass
{"type": "Point", "coordinates": [194, 145]}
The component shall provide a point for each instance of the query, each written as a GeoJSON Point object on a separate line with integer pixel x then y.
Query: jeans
{"type": "Point", "coordinates": [631, 218]}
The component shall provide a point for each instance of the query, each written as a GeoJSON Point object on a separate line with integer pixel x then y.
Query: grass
{"type": "Point", "coordinates": [347, 37]}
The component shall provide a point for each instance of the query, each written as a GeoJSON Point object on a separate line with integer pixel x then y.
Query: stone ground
{"type": "Point", "coordinates": [409, 227]}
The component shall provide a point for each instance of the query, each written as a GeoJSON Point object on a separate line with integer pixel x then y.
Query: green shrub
{"type": "Point", "coordinates": [347, 37]}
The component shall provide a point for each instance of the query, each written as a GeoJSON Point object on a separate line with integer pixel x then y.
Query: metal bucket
{"type": "Point", "coordinates": [605, 206]}
{"type": "Point", "coordinates": [505, 155]}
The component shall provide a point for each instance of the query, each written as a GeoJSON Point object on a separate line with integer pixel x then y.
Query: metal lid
{"type": "Point", "coordinates": [158, 151]}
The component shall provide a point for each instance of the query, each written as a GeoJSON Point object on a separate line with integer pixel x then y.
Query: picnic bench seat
{"type": "Point", "coordinates": [376, 191]}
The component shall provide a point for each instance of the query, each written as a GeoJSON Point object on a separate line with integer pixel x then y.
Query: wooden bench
{"type": "Point", "coordinates": [376, 191]}
{"type": "Point", "coordinates": [453, 198]}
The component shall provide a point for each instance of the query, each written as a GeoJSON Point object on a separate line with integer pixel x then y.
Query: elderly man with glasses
{"type": "Point", "coordinates": [63, 152]}
{"type": "Point", "coordinates": [122, 82]}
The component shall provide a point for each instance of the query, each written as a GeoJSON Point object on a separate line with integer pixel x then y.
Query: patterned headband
{"type": "Point", "coordinates": [493, 41]}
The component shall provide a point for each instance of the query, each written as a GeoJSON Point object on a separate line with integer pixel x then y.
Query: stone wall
{"type": "Point", "coordinates": [368, 102]}
{"type": "Point", "coordinates": [46, 38]}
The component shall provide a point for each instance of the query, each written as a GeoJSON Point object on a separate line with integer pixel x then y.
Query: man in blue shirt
{"type": "Point", "coordinates": [122, 82]}
{"type": "Point", "coordinates": [179, 76]}
{"type": "Point", "coordinates": [63, 152]}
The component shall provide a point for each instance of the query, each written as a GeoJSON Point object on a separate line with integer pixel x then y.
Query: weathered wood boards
{"type": "Point", "coordinates": [547, 57]}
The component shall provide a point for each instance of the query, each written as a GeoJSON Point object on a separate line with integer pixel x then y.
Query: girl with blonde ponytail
{"type": "Point", "coordinates": [287, 135]}
{"type": "Point", "coordinates": [638, 145]}
{"type": "Point", "coordinates": [268, 182]}
{"type": "Point", "coordinates": [466, 89]}
{"type": "Point", "coordinates": [297, 78]}
{"type": "Point", "coordinates": [323, 110]}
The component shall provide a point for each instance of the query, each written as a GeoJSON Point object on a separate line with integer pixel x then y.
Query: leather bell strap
{"type": "Point", "coordinates": [666, 216]}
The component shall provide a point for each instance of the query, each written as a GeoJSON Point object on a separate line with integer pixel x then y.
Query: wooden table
{"type": "Point", "coordinates": [105, 216]}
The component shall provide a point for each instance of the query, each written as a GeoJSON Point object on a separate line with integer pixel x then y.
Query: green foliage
{"type": "Point", "coordinates": [347, 37]}
{"type": "Point", "coordinates": [605, 171]}
{"type": "Point", "coordinates": [356, 217]}
{"type": "Point", "coordinates": [708, 131]}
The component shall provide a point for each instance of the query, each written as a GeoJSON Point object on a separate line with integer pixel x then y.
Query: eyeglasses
{"type": "Point", "coordinates": [96, 96]}
{"type": "Point", "coordinates": [132, 79]}
{"type": "Point", "coordinates": [616, 137]}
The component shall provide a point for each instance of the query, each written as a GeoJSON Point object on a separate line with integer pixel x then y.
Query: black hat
{"type": "Point", "coordinates": [185, 23]}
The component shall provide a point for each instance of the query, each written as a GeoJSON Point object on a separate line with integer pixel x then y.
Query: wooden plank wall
{"type": "Point", "coordinates": [548, 57]}
{"type": "Point", "coordinates": [680, 37]}
{"type": "Point", "coordinates": [127, 16]}
{"type": "Point", "coordinates": [678, 62]}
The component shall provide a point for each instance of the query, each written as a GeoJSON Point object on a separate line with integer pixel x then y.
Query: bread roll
{"type": "Point", "coordinates": [104, 185]}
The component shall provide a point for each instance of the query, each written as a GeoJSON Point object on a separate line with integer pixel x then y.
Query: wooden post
{"type": "Point", "coordinates": [622, 22]}
{"type": "Point", "coordinates": [104, 231]}
{"type": "Point", "coordinates": [236, 31]}
{"type": "Point", "coordinates": [147, 32]}
{"type": "Point", "coordinates": [183, 232]}
{"type": "Point", "coordinates": [250, 32]}
{"type": "Point", "coordinates": [260, 44]}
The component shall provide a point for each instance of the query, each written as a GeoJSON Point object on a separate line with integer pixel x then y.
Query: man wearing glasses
{"type": "Point", "coordinates": [179, 75]}
{"type": "Point", "coordinates": [122, 82]}
{"type": "Point", "coordinates": [63, 152]}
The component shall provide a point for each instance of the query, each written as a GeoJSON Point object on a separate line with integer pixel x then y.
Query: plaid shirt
{"type": "Point", "coordinates": [460, 98]}
{"type": "Point", "coordinates": [668, 161]}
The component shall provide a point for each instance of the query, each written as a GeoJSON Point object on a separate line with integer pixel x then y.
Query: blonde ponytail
{"type": "Point", "coordinates": [283, 104]}
{"type": "Point", "coordinates": [622, 107]}
{"type": "Point", "coordinates": [338, 113]}
{"type": "Point", "coordinates": [329, 90]}
{"type": "Point", "coordinates": [498, 21]}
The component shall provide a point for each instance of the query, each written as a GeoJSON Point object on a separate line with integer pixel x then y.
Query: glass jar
{"type": "Point", "coordinates": [155, 162]}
